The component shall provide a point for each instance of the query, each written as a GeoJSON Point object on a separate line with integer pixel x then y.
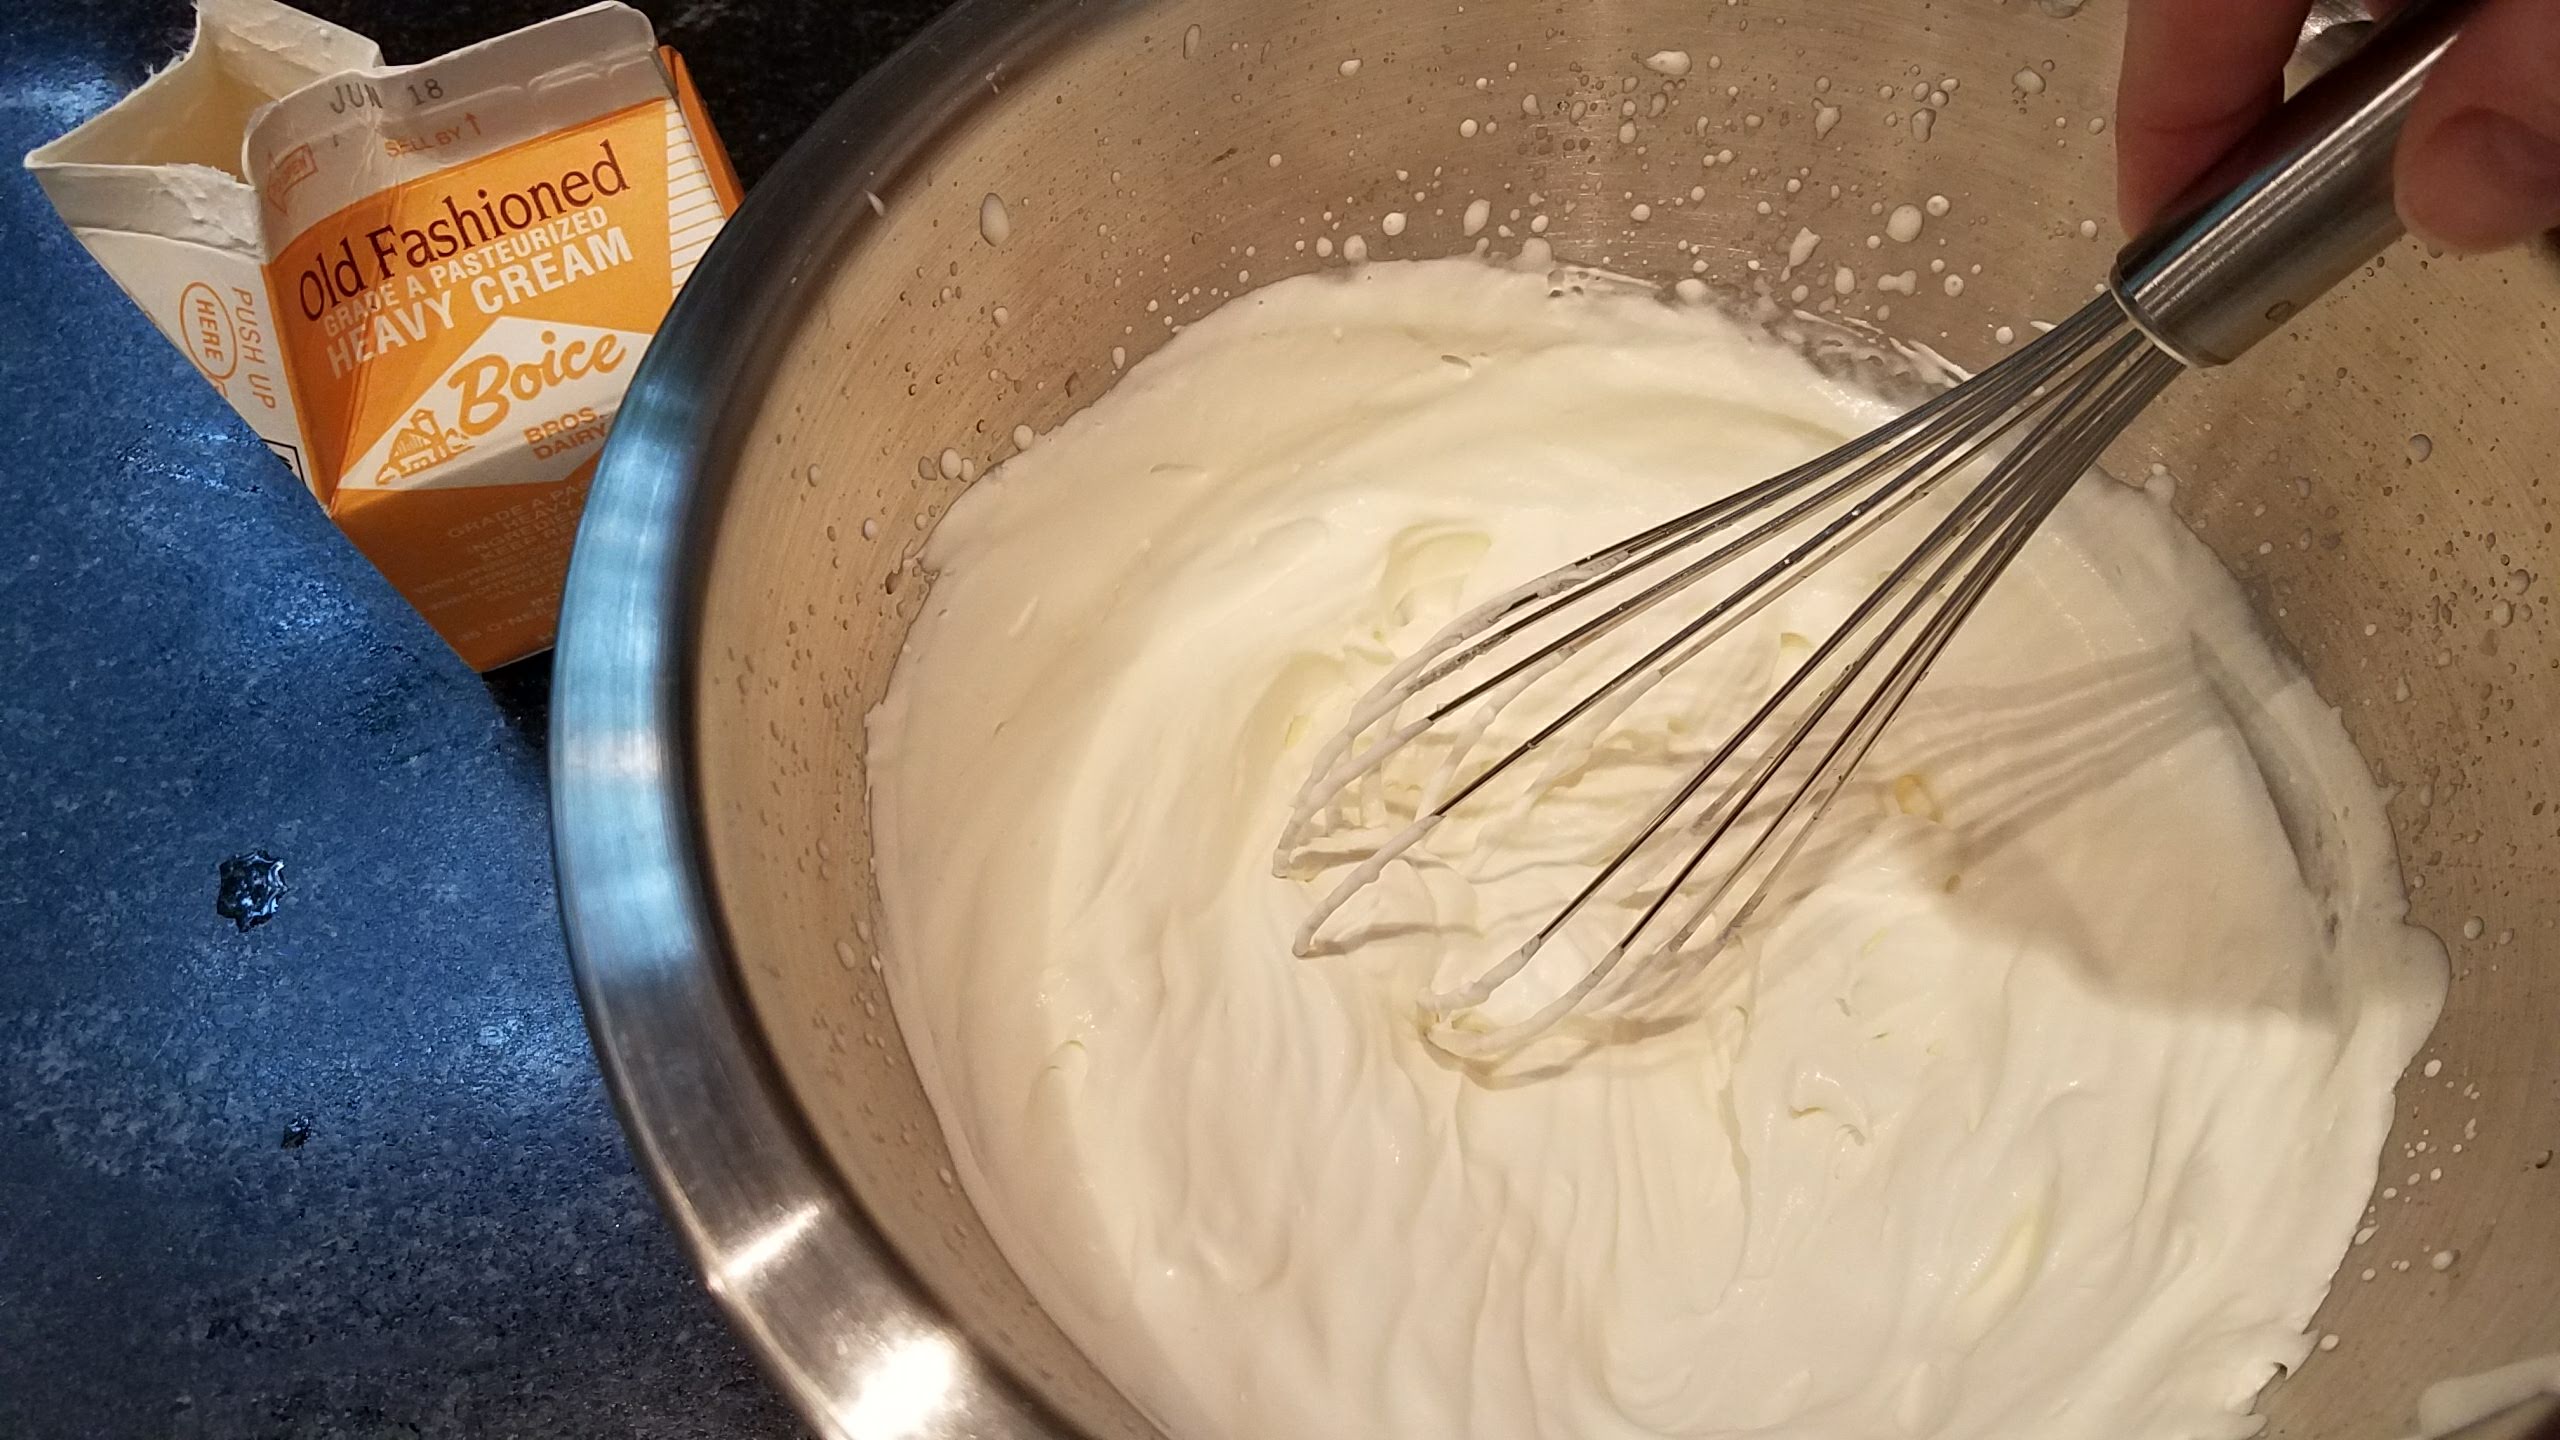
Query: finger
{"type": "Point", "coordinates": [2197, 75]}
{"type": "Point", "coordinates": [2479, 164]}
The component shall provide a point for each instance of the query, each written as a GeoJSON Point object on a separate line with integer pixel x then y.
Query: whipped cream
{"type": "Point", "coordinates": [2046, 1108]}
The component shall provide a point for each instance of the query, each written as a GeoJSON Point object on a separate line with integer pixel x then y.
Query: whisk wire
{"type": "Point", "coordinates": [1506, 616]}
{"type": "Point", "coordinates": [1972, 546]}
{"type": "Point", "coordinates": [1946, 458]}
{"type": "Point", "coordinates": [2027, 429]}
{"type": "Point", "coordinates": [2020, 504]}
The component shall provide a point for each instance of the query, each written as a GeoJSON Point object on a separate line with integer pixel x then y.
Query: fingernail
{"type": "Point", "coordinates": [2482, 181]}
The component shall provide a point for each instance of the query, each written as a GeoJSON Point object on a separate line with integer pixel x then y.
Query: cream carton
{"type": "Point", "coordinates": [425, 286]}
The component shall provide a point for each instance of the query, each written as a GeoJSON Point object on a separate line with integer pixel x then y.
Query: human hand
{"type": "Point", "coordinates": [2479, 163]}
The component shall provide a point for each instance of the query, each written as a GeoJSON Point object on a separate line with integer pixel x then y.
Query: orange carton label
{"type": "Point", "coordinates": [460, 344]}
{"type": "Point", "coordinates": [427, 286]}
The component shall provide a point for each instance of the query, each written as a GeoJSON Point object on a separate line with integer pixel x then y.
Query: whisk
{"type": "Point", "coordinates": [2299, 205]}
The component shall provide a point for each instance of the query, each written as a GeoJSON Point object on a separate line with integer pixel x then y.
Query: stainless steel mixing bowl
{"type": "Point", "coordinates": [854, 350]}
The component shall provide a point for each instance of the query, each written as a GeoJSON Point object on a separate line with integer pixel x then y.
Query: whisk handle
{"type": "Point", "coordinates": [2535, 1419]}
{"type": "Point", "coordinates": [2299, 204]}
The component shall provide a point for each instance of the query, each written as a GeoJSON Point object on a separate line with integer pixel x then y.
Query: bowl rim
{"type": "Point", "coordinates": [840, 1324]}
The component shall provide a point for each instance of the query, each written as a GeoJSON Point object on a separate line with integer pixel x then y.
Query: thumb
{"type": "Point", "coordinates": [2479, 164]}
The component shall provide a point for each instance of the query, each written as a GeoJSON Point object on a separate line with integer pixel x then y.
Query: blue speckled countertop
{"type": "Point", "coordinates": [350, 1172]}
